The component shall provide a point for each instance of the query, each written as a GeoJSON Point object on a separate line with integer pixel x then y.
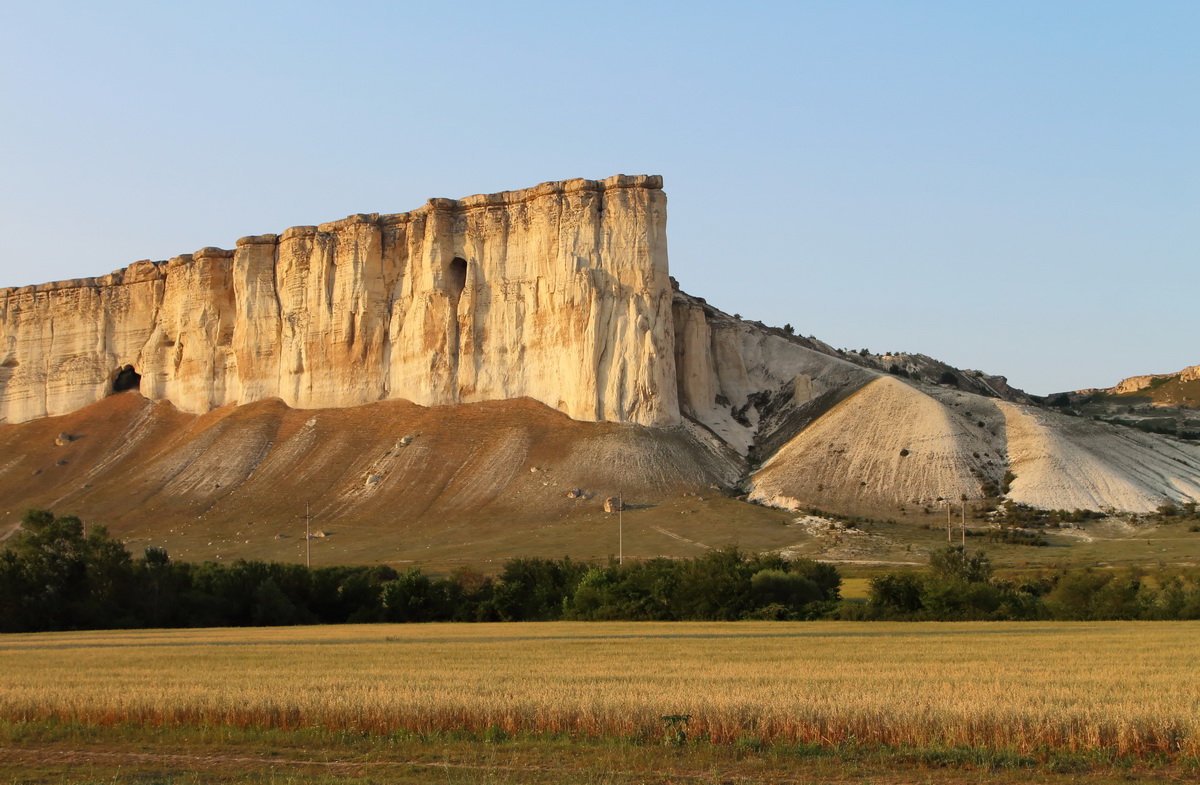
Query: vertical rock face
{"type": "Point", "coordinates": [558, 293]}
{"type": "Point", "coordinates": [749, 386]}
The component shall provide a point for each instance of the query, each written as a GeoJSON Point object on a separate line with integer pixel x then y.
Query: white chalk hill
{"type": "Point", "coordinates": [896, 444]}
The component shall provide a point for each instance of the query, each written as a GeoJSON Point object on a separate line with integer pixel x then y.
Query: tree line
{"type": "Point", "coordinates": [959, 585]}
{"type": "Point", "coordinates": [54, 575]}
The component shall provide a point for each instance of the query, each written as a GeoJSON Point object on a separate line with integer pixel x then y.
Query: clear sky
{"type": "Point", "coordinates": [1006, 185]}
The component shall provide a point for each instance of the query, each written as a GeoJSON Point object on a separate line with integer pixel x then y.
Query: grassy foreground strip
{"type": "Point", "coordinates": [1105, 690]}
{"type": "Point", "coordinates": [49, 752]}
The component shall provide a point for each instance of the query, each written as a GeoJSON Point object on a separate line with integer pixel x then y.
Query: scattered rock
{"type": "Point", "coordinates": [281, 536]}
{"type": "Point", "coordinates": [318, 535]}
{"type": "Point", "coordinates": [576, 493]}
{"type": "Point", "coordinates": [373, 478]}
{"type": "Point", "coordinates": [613, 504]}
{"type": "Point", "coordinates": [61, 462]}
{"type": "Point", "coordinates": [406, 440]}
{"type": "Point", "coordinates": [63, 438]}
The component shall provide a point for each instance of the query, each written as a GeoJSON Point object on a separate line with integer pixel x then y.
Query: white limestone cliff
{"type": "Point", "coordinates": [559, 293]}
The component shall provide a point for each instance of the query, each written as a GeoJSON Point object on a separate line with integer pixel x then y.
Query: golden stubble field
{"type": "Point", "coordinates": [1126, 687]}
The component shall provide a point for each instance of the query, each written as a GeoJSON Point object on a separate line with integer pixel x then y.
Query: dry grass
{"type": "Point", "coordinates": [1129, 688]}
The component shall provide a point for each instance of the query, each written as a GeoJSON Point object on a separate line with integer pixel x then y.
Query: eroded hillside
{"type": "Point", "coordinates": [487, 371]}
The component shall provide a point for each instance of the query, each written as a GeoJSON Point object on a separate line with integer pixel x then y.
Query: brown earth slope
{"type": "Point", "coordinates": [472, 482]}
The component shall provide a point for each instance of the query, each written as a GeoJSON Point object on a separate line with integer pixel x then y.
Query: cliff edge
{"type": "Point", "coordinates": [559, 293]}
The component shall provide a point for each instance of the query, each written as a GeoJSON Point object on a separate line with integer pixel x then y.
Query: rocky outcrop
{"type": "Point", "coordinates": [1132, 384]}
{"type": "Point", "coordinates": [558, 293]}
{"type": "Point", "coordinates": [1136, 383]}
{"type": "Point", "coordinates": [747, 383]}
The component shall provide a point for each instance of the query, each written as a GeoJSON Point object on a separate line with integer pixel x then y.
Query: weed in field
{"type": "Point", "coordinates": [675, 729]}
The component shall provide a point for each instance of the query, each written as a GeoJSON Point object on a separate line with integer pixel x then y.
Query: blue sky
{"type": "Point", "coordinates": [1012, 186]}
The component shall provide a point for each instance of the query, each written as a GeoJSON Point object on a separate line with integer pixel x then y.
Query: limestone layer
{"type": "Point", "coordinates": [558, 293]}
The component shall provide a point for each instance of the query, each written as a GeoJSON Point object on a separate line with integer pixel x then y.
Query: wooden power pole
{"type": "Point", "coordinates": [307, 516]}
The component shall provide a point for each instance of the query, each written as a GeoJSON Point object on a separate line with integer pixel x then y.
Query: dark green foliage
{"type": "Point", "coordinates": [1011, 536]}
{"type": "Point", "coordinates": [533, 589]}
{"type": "Point", "coordinates": [1090, 594]}
{"type": "Point", "coordinates": [722, 585]}
{"type": "Point", "coordinates": [272, 608]}
{"type": "Point", "coordinates": [54, 577]}
{"type": "Point", "coordinates": [959, 585]}
{"type": "Point", "coordinates": [897, 592]}
{"type": "Point", "coordinates": [954, 564]}
{"type": "Point", "coordinates": [413, 597]}
{"type": "Point", "coordinates": [1024, 516]}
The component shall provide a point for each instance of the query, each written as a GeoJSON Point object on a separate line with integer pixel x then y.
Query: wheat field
{"type": "Point", "coordinates": [1128, 687]}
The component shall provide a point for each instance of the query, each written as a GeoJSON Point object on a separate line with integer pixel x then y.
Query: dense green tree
{"type": "Point", "coordinates": [714, 587]}
{"type": "Point", "coordinates": [533, 589]}
{"type": "Point", "coordinates": [414, 597]}
{"type": "Point", "coordinates": [57, 577]}
{"type": "Point", "coordinates": [896, 593]}
{"type": "Point", "coordinates": [953, 563]}
{"type": "Point", "coordinates": [272, 608]}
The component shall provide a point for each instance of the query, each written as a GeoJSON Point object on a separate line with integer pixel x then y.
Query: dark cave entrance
{"type": "Point", "coordinates": [127, 379]}
{"type": "Point", "coordinates": [457, 277]}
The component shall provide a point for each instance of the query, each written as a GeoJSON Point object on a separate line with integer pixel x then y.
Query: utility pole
{"type": "Point", "coordinates": [964, 526]}
{"type": "Point", "coordinates": [948, 540]}
{"type": "Point", "coordinates": [620, 528]}
{"type": "Point", "coordinates": [307, 534]}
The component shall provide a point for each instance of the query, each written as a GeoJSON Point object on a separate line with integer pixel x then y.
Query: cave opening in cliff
{"type": "Point", "coordinates": [127, 379]}
{"type": "Point", "coordinates": [458, 277]}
